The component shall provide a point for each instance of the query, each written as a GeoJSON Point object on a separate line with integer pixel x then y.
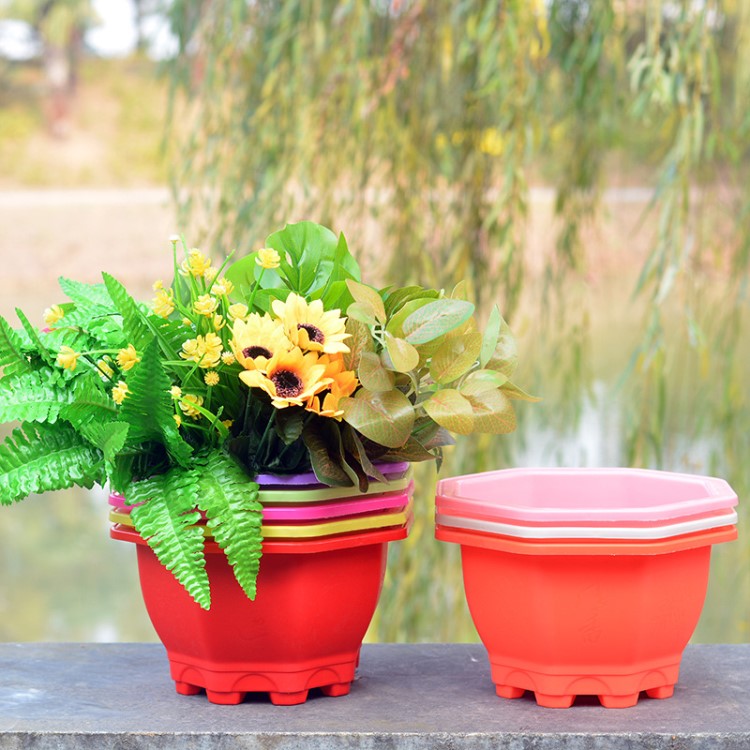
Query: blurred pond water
{"type": "Point", "coordinates": [63, 579]}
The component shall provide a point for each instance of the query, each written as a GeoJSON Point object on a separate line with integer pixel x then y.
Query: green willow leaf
{"type": "Point", "coordinates": [41, 458]}
{"type": "Point", "coordinates": [385, 418]}
{"type": "Point", "coordinates": [165, 517]}
{"type": "Point", "coordinates": [234, 514]}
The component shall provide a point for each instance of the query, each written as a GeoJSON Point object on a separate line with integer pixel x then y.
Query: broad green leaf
{"type": "Point", "coordinates": [493, 412]}
{"type": "Point", "coordinates": [362, 312]}
{"type": "Point", "coordinates": [504, 357]}
{"type": "Point", "coordinates": [436, 319]}
{"type": "Point", "coordinates": [491, 335]}
{"type": "Point", "coordinates": [404, 356]}
{"type": "Point", "coordinates": [12, 357]}
{"type": "Point", "coordinates": [41, 458]}
{"type": "Point", "coordinates": [482, 380]}
{"type": "Point", "coordinates": [395, 325]}
{"type": "Point", "coordinates": [385, 418]}
{"type": "Point", "coordinates": [234, 515]}
{"type": "Point", "coordinates": [355, 446]}
{"type": "Point", "coordinates": [36, 396]}
{"type": "Point", "coordinates": [359, 342]}
{"type": "Point", "coordinates": [373, 375]}
{"type": "Point", "coordinates": [289, 424]}
{"type": "Point", "coordinates": [511, 390]}
{"type": "Point", "coordinates": [165, 517]}
{"type": "Point", "coordinates": [412, 451]}
{"type": "Point", "coordinates": [451, 410]}
{"type": "Point", "coordinates": [400, 296]}
{"type": "Point", "coordinates": [326, 454]}
{"type": "Point", "coordinates": [368, 298]}
{"type": "Point", "coordinates": [456, 355]}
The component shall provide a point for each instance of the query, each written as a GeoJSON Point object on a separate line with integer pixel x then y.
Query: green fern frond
{"type": "Point", "coordinates": [86, 295]}
{"type": "Point", "coordinates": [230, 501]}
{"type": "Point", "coordinates": [171, 334]}
{"type": "Point", "coordinates": [166, 519]}
{"type": "Point", "coordinates": [12, 356]}
{"type": "Point", "coordinates": [148, 408]}
{"type": "Point", "coordinates": [90, 403]}
{"type": "Point", "coordinates": [134, 323]}
{"type": "Point", "coordinates": [39, 458]}
{"type": "Point", "coordinates": [36, 396]}
{"type": "Point", "coordinates": [33, 335]}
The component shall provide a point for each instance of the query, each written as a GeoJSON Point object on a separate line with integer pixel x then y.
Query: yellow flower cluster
{"type": "Point", "coordinates": [205, 351]}
{"type": "Point", "coordinates": [296, 357]}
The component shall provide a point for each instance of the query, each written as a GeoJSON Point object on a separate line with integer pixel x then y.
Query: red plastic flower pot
{"type": "Point", "coordinates": [567, 618]}
{"type": "Point", "coordinates": [304, 630]}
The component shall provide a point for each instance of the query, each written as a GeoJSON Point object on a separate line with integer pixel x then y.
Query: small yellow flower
{"type": "Point", "coordinates": [210, 274]}
{"type": "Point", "coordinates": [222, 287]}
{"type": "Point", "coordinates": [197, 264]}
{"type": "Point", "coordinates": [227, 423]}
{"type": "Point", "coordinates": [120, 392]}
{"type": "Point", "coordinates": [163, 305]}
{"type": "Point", "coordinates": [211, 378]}
{"type": "Point", "coordinates": [187, 322]}
{"type": "Point", "coordinates": [188, 403]}
{"type": "Point", "coordinates": [268, 258]}
{"type": "Point", "coordinates": [178, 419]}
{"type": "Point", "coordinates": [53, 315]}
{"type": "Point", "coordinates": [175, 391]}
{"type": "Point", "coordinates": [227, 358]}
{"type": "Point", "coordinates": [238, 311]}
{"type": "Point", "coordinates": [219, 322]}
{"type": "Point", "coordinates": [68, 358]}
{"type": "Point", "coordinates": [206, 351]}
{"type": "Point", "coordinates": [127, 358]}
{"type": "Point", "coordinates": [205, 305]}
{"type": "Point", "coordinates": [158, 285]}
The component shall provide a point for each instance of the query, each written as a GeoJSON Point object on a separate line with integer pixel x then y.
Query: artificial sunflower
{"type": "Point", "coordinates": [343, 383]}
{"type": "Point", "coordinates": [257, 339]}
{"type": "Point", "coordinates": [310, 326]}
{"type": "Point", "coordinates": [291, 378]}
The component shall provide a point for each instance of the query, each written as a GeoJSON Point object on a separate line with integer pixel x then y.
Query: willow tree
{"type": "Point", "coordinates": [420, 125]}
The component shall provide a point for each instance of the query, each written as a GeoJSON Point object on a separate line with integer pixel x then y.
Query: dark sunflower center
{"type": "Point", "coordinates": [251, 352]}
{"type": "Point", "coordinates": [288, 384]}
{"type": "Point", "coordinates": [313, 332]}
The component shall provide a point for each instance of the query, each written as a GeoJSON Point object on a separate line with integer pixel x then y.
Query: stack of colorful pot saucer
{"type": "Point", "coordinates": [299, 507]}
{"type": "Point", "coordinates": [585, 581]}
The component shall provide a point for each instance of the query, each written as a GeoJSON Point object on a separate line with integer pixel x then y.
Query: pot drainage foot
{"type": "Point", "coordinates": [186, 688]}
{"type": "Point", "coordinates": [288, 699]}
{"type": "Point", "coordinates": [554, 701]}
{"type": "Point", "coordinates": [336, 690]}
{"type": "Point", "coordinates": [618, 701]}
{"type": "Point", "coordinates": [507, 691]}
{"type": "Point", "coordinates": [665, 691]}
{"type": "Point", "coordinates": [225, 699]}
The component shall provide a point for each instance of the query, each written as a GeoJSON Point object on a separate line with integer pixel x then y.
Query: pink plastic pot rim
{"type": "Point", "coordinates": [665, 531]}
{"type": "Point", "coordinates": [575, 494]}
{"type": "Point", "coordinates": [585, 546]}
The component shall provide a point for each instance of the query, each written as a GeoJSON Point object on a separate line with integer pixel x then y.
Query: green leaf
{"type": "Point", "coordinates": [456, 355]}
{"type": "Point", "coordinates": [148, 407]}
{"type": "Point", "coordinates": [109, 437]}
{"type": "Point", "coordinates": [397, 298]}
{"type": "Point", "coordinates": [373, 375]}
{"type": "Point", "coordinates": [40, 458]}
{"type": "Point", "coordinates": [368, 298]}
{"type": "Point", "coordinates": [12, 357]}
{"type": "Point", "coordinates": [412, 451]}
{"type": "Point", "coordinates": [359, 342]}
{"type": "Point", "coordinates": [90, 403]}
{"type": "Point", "coordinates": [86, 295]}
{"type": "Point", "coordinates": [482, 380]}
{"type": "Point", "coordinates": [356, 447]}
{"type": "Point", "coordinates": [134, 323]}
{"type": "Point", "coordinates": [165, 517]}
{"type": "Point", "coordinates": [451, 410]}
{"type": "Point", "coordinates": [362, 312]}
{"type": "Point", "coordinates": [395, 325]}
{"type": "Point", "coordinates": [33, 334]}
{"type": "Point", "coordinates": [326, 454]}
{"type": "Point", "coordinates": [493, 412]}
{"type": "Point", "coordinates": [234, 515]}
{"type": "Point", "coordinates": [436, 319]}
{"type": "Point", "coordinates": [511, 390]}
{"type": "Point", "coordinates": [491, 335]}
{"type": "Point", "coordinates": [385, 418]}
{"type": "Point", "coordinates": [404, 356]}
{"type": "Point", "coordinates": [36, 396]}
{"type": "Point", "coordinates": [504, 357]}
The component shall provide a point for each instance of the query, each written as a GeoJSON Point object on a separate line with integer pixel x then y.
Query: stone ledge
{"type": "Point", "coordinates": [410, 696]}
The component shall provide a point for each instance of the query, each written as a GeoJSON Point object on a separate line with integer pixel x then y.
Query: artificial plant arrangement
{"type": "Point", "coordinates": [280, 362]}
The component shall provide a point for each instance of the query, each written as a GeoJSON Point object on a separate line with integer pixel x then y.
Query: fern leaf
{"type": "Point", "coordinates": [165, 516]}
{"type": "Point", "coordinates": [134, 323]}
{"type": "Point", "coordinates": [230, 502]}
{"type": "Point", "coordinates": [12, 357]}
{"type": "Point", "coordinates": [90, 403]}
{"type": "Point", "coordinates": [148, 408]}
{"type": "Point", "coordinates": [38, 458]}
{"type": "Point", "coordinates": [33, 334]}
{"type": "Point", "coordinates": [86, 295]}
{"type": "Point", "coordinates": [109, 437]}
{"type": "Point", "coordinates": [36, 396]}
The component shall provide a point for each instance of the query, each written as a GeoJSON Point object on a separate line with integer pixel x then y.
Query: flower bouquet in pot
{"type": "Point", "coordinates": [269, 407]}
